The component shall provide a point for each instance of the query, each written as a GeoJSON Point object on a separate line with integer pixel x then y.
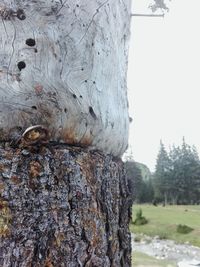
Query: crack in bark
{"type": "Point", "coordinates": [4, 27]}
{"type": "Point", "coordinates": [13, 50]}
{"type": "Point", "coordinates": [62, 5]}
{"type": "Point", "coordinates": [90, 23]}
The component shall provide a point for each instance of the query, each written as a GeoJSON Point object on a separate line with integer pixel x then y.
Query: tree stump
{"type": "Point", "coordinates": [63, 206]}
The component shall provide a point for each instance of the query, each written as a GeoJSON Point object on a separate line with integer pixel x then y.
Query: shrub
{"type": "Point", "coordinates": [140, 220]}
{"type": "Point", "coordinates": [137, 238]}
{"type": "Point", "coordinates": [139, 214]}
{"type": "Point", "coordinates": [162, 236]}
{"type": "Point", "coordinates": [183, 229]}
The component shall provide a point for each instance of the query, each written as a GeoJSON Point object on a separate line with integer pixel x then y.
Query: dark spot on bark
{"type": "Point", "coordinates": [112, 124]}
{"type": "Point", "coordinates": [36, 250]}
{"type": "Point", "coordinates": [30, 42]}
{"type": "Point", "coordinates": [35, 50]}
{"type": "Point", "coordinates": [82, 69]}
{"type": "Point", "coordinates": [21, 65]}
{"type": "Point", "coordinates": [56, 180]}
{"type": "Point", "coordinates": [94, 82]}
{"type": "Point", "coordinates": [130, 119]}
{"type": "Point", "coordinates": [98, 53]}
{"type": "Point", "coordinates": [86, 124]}
{"type": "Point", "coordinates": [83, 25]}
{"type": "Point", "coordinates": [83, 235]}
{"type": "Point", "coordinates": [92, 113]}
{"type": "Point", "coordinates": [74, 96]}
{"type": "Point", "coordinates": [85, 81]}
{"type": "Point", "coordinates": [34, 107]}
{"type": "Point", "coordinates": [92, 44]}
{"type": "Point", "coordinates": [81, 96]}
{"type": "Point", "coordinates": [20, 14]}
{"type": "Point", "coordinates": [77, 5]}
{"type": "Point", "coordinates": [107, 227]}
{"type": "Point", "coordinates": [65, 110]}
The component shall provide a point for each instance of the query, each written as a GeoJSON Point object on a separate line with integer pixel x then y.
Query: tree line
{"type": "Point", "coordinates": [176, 179]}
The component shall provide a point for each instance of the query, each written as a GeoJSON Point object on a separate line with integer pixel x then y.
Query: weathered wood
{"type": "Point", "coordinates": [63, 65]}
{"type": "Point", "coordinates": [63, 207]}
{"type": "Point", "coordinates": [63, 71]}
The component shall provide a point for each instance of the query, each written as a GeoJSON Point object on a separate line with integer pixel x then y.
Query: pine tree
{"type": "Point", "coordinates": [134, 178]}
{"type": "Point", "coordinates": [177, 175]}
{"type": "Point", "coordinates": [185, 173]}
{"type": "Point", "coordinates": [162, 174]}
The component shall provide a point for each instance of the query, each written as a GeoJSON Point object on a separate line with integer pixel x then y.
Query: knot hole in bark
{"type": "Point", "coordinates": [30, 42]}
{"type": "Point", "coordinates": [20, 14]}
{"type": "Point", "coordinates": [21, 65]}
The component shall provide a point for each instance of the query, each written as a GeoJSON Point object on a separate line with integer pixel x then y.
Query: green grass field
{"type": "Point", "coordinates": [142, 260]}
{"type": "Point", "coordinates": [163, 222]}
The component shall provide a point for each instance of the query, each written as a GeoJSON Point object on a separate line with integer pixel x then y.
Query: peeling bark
{"type": "Point", "coordinates": [63, 206]}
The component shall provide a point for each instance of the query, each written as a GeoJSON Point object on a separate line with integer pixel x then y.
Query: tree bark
{"type": "Point", "coordinates": [63, 207]}
{"type": "Point", "coordinates": [63, 98]}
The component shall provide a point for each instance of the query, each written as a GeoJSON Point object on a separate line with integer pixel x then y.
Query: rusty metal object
{"type": "Point", "coordinates": [34, 135]}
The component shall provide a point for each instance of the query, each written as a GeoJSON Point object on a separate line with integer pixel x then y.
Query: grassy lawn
{"type": "Point", "coordinates": [142, 260]}
{"type": "Point", "coordinates": [163, 222]}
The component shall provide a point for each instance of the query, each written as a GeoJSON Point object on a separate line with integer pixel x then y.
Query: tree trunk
{"type": "Point", "coordinates": [63, 128]}
{"type": "Point", "coordinates": [63, 65]}
{"type": "Point", "coordinates": [64, 207]}
{"type": "Point", "coordinates": [166, 198]}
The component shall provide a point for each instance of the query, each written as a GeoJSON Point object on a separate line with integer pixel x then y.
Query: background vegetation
{"type": "Point", "coordinates": [141, 259]}
{"type": "Point", "coordinates": [163, 222]}
{"type": "Point", "coordinates": [176, 179]}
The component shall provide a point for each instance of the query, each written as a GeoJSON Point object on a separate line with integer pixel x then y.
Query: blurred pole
{"type": "Point", "coordinates": [147, 15]}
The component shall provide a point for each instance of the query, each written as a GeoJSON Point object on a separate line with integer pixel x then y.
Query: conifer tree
{"type": "Point", "coordinates": [162, 177]}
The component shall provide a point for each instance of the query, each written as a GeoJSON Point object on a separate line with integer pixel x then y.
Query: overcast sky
{"type": "Point", "coordinates": [164, 79]}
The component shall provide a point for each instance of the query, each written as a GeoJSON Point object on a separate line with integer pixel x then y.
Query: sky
{"type": "Point", "coordinates": [164, 79]}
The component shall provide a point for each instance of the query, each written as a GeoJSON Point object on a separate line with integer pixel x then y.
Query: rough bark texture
{"type": "Point", "coordinates": [63, 65]}
{"type": "Point", "coordinates": [63, 207]}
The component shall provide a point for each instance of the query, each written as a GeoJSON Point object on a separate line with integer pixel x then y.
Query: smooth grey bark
{"type": "Point", "coordinates": [63, 65]}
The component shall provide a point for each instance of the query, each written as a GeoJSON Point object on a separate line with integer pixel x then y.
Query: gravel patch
{"type": "Point", "coordinates": [168, 249]}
